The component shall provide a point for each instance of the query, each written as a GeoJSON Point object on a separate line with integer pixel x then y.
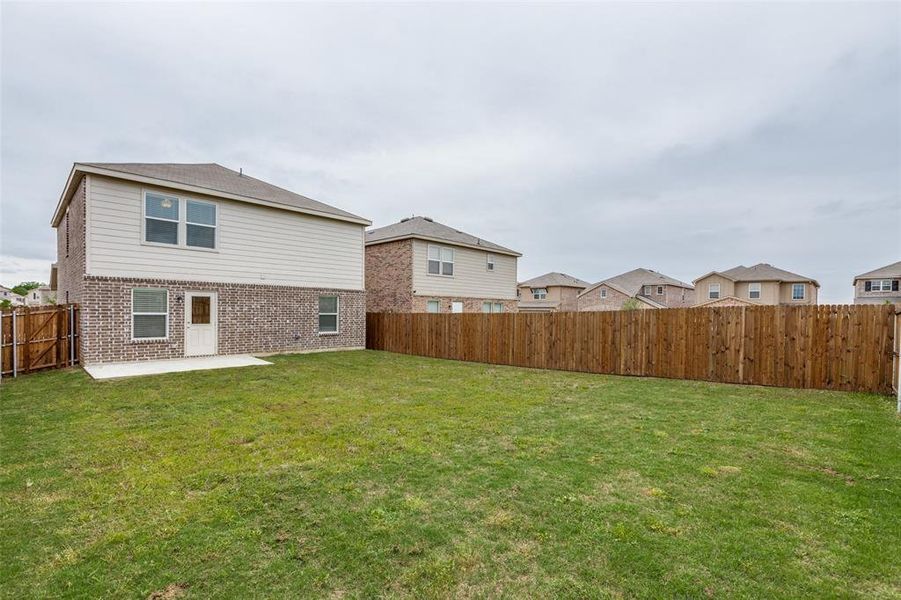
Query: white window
{"type": "Point", "coordinates": [539, 293]}
{"type": "Point", "coordinates": [433, 306]}
{"type": "Point", "coordinates": [880, 285]}
{"type": "Point", "coordinates": [200, 224]}
{"type": "Point", "coordinates": [713, 291]}
{"type": "Point", "coordinates": [149, 313]}
{"type": "Point", "coordinates": [456, 306]}
{"type": "Point", "coordinates": [161, 215]}
{"type": "Point", "coordinates": [754, 291]}
{"type": "Point", "coordinates": [603, 292]}
{"type": "Point", "coordinates": [490, 262]}
{"type": "Point", "coordinates": [492, 307]}
{"type": "Point", "coordinates": [168, 220]}
{"type": "Point", "coordinates": [646, 290]}
{"type": "Point", "coordinates": [798, 291]}
{"type": "Point", "coordinates": [328, 314]}
{"type": "Point", "coordinates": [441, 261]}
{"type": "Point", "coordinates": [659, 290]}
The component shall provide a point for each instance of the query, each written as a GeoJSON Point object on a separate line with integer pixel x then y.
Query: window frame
{"type": "Point", "coordinates": [455, 303]}
{"type": "Point", "coordinates": [882, 285]}
{"type": "Point", "coordinates": [803, 287]}
{"type": "Point", "coordinates": [337, 314]}
{"type": "Point", "coordinates": [440, 261]}
{"type": "Point", "coordinates": [603, 293]}
{"type": "Point", "coordinates": [489, 265]}
{"type": "Point", "coordinates": [133, 313]}
{"type": "Point", "coordinates": [752, 290]}
{"type": "Point", "coordinates": [659, 290]}
{"type": "Point", "coordinates": [538, 293]}
{"type": "Point", "coordinates": [711, 291]}
{"type": "Point", "coordinates": [181, 223]}
{"type": "Point", "coordinates": [436, 304]}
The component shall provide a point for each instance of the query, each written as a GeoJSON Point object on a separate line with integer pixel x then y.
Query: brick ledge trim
{"type": "Point", "coordinates": [255, 286]}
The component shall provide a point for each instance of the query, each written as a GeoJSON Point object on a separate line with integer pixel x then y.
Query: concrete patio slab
{"type": "Point", "coordinates": [175, 365]}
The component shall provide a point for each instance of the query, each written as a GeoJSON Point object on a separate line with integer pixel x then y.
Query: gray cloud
{"type": "Point", "coordinates": [593, 138]}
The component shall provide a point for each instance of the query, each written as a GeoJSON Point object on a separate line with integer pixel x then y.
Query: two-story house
{"type": "Point", "coordinates": [175, 260]}
{"type": "Point", "coordinates": [761, 284]}
{"type": "Point", "coordinates": [13, 298]}
{"type": "Point", "coordinates": [551, 292]}
{"type": "Point", "coordinates": [879, 286]}
{"type": "Point", "coordinates": [643, 288]}
{"type": "Point", "coordinates": [419, 265]}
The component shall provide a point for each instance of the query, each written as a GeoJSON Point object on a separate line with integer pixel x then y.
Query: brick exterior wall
{"type": "Point", "coordinates": [389, 277]}
{"type": "Point", "coordinates": [252, 319]}
{"type": "Point", "coordinates": [70, 262]}
{"type": "Point", "coordinates": [470, 305]}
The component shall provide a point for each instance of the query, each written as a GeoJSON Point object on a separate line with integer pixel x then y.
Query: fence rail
{"type": "Point", "coordinates": [37, 338]}
{"type": "Point", "coordinates": [837, 347]}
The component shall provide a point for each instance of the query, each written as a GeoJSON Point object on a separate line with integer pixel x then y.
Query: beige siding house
{"type": "Point", "coordinates": [13, 298]}
{"type": "Point", "coordinates": [645, 289]}
{"type": "Point", "coordinates": [173, 260]}
{"type": "Point", "coordinates": [40, 296]}
{"type": "Point", "coordinates": [879, 286]}
{"type": "Point", "coordinates": [419, 265]}
{"type": "Point", "coordinates": [762, 284]}
{"type": "Point", "coordinates": [551, 292]}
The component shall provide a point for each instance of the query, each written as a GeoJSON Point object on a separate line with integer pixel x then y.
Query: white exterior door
{"type": "Point", "coordinates": [456, 307]}
{"type": "Point", "coordinates": [201, 323]}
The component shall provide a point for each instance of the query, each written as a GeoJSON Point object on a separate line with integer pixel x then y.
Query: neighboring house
{"type": "Point", "coordinates": [39, 296]}
{"type": "Point", "coordinates": [174, 260]}
{"type": "Point", "coordinates": [418, 265]}
{"type": "Point", "coordinates": [879, 286]}
{"type": "Point", "coordinates": [760, 284]}
{"type": "Point", "coordinates": [648, 288]}
{"type": "Point", "coordinates": [551, 292]}
{"type": "Point", "coordinates": [14, 298]}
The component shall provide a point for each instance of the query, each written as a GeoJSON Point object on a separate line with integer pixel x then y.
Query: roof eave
{"type": "Point", "coordinates": [80, 169]}
{"type": "Point", "coordinates": [417, 236]}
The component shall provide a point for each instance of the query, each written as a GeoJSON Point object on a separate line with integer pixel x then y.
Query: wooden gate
{"type": "Point", "coordinates": [37, 338]}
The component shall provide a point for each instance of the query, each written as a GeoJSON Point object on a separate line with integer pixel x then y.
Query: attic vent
{"type": "Point", "coordinates": [429, 219]}
{"type": "Point", "coordinates": [405, 219]}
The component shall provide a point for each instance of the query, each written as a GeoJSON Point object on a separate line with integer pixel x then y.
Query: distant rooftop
{"type": "Point", "coordinates": [429, 229]}
{"type": "Point", "coordinates": [555, 279]}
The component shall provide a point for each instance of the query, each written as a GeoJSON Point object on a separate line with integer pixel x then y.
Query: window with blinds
{"type": "Point", "coordinates": [149, 313]}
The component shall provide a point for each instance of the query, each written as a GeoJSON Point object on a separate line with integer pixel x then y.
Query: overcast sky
{"type": "Point", "coordinates": [592, 138]}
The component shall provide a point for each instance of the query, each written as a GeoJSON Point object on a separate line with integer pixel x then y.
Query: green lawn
{"type": "Point", "coordinates": [366, 474]}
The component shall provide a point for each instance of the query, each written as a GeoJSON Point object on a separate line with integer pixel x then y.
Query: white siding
{"type": "Point", "coordinates": [256, 244]}
{"type": "Point", "coordinates": [471, 278]}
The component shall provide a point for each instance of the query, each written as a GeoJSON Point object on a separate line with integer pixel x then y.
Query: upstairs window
{"type": "Point", "coordinates": [646, 290]}
{"type": "Point", "coordinates": [441, 261]}
{"type": "Point", "coordinates": [603, 292]}
{"type": "Point", "coordinates": [754, 291]}
{"type": "Point", "coordinates": [490, 262]}
{"type": "Point", "coordinates": [176, 222]}
{"type": "Point", "coordinates": [713, 291]}
{"type": "Point", "coordinates": [798, 290]}
{"type": "Point", "coordinates": [161, 215]}
{"type": "Point", "coordinates": [328, 314]}
{"type": "Point", "coordinates": [659, 290]}
{"type": "Point", "coordinates": [200, 223]}
{"type": "Point", "coordinates": [881, 285]}
{"type": "Point", "coordinates": [539, 293]}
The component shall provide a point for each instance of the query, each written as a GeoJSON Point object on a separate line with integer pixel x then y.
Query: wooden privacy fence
{"type": "Point", "coordinates": [35, 338]}
{"type": "Point", "coordinates": [846, 347]}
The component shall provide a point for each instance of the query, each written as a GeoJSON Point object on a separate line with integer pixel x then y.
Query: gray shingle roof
{"type": "Point", "coordinates": [555, 279]}
{"type": "Point", "coordinates": [217, 178]}
{"type": "Point", "coordinates": [630, 283]}
{"type": "Point", "coordinates": [892, 270]}
{"type": "Point", "coordinates": [764, 272]}
{"type": "Point", "coordinates": [426, 228]}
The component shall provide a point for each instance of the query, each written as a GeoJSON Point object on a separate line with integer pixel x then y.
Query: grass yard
{"type": "Point", "coordinates": [366, 474]}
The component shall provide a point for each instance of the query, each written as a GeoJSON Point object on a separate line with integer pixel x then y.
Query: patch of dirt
{"type": "Point", "coordinates": [173, 590]}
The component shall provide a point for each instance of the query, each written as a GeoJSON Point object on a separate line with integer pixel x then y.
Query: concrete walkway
{"type": "Point", "coordinates": [175, 365]}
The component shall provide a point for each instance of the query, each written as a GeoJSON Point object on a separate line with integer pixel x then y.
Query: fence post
{"type": "Point", "coordinates": [71, 335]}
{"type": "Point", "coordinates": [15, 354]}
